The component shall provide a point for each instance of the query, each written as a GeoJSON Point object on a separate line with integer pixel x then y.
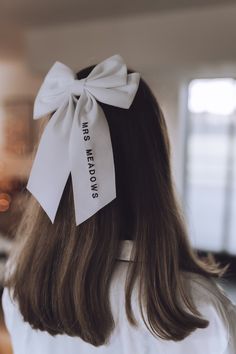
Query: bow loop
{"type": "Point", "coordinates": [54, 90]}
{"type": "Point", "coordinates": [111, 72]}
{"type": "Point", "coordinates": [77, 139]}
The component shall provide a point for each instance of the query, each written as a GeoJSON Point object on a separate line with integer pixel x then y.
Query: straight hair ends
{"type": "Point", "coordinates": [62, 273]}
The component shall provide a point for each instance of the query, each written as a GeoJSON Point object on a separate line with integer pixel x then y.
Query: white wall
{"type": "Point", "coordinates": [149, 42]}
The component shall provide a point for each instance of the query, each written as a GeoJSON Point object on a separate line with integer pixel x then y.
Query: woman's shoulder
{"type": "Point", "coordinates": [214, 305]}
{"type": "Point", "coordinates": [218, 338]}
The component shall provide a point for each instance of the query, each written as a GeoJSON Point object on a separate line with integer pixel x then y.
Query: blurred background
{"type": "Point", "coordinates": [184, 49]}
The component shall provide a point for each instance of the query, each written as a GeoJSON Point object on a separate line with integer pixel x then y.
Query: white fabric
{"type": "Point", "coordinates": [218, 338]}
{"type": "Point", "coordinates": [77, 137]}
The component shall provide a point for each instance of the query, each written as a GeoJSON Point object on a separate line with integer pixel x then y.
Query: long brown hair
{"type": "Point", "coordinates": [62, 273]}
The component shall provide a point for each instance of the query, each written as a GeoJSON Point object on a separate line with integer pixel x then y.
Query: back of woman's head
{"type": "Point", "coordinates": [62, 273]}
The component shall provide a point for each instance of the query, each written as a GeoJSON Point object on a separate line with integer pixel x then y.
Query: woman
{"type": "Point", "coordinates": [126, 279]}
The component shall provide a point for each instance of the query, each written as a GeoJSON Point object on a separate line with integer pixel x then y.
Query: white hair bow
{"type": "Point", "coordinates": [77, 139]}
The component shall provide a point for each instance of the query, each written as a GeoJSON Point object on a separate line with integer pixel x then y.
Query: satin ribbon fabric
{"type": "Point", "coordinates": [77, 139]}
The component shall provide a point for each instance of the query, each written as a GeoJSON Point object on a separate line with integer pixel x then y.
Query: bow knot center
{"type": "Point", "coordinates": [77, 86]}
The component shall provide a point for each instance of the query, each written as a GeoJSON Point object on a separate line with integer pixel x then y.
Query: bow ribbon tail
{"type": "Point", "coordinates": [91, 159]}
{"type": "Point", "coordinates": [51, 165]}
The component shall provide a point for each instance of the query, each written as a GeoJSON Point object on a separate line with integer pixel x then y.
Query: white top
{"type": "Point", "coordinates": [218, 338]}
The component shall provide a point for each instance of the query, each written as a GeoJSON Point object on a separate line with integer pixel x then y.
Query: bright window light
{"type": "Point", "coordinates": [214, 96]}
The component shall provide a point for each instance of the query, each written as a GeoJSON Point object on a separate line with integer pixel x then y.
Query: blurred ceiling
{"type": "Point", "coordinates": [17, 15]}
{"type": "Point", "coordinates": [43, 12]}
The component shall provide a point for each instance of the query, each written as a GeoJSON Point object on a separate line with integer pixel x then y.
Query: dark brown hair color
{"type": "Point", "coordinates": [62, 273]}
